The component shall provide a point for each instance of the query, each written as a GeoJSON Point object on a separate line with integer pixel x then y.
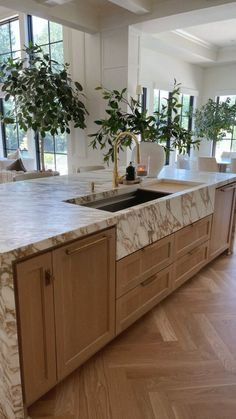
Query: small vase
{"type": "Point", "coordinates": [152, 156]}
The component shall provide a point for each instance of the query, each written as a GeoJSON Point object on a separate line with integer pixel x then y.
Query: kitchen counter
{"type": "Point", "coordinates": [35, 216]}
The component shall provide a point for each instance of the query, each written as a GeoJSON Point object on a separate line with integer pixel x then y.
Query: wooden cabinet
{"type": "Point", "coordinates": [189, 264]}
{"type": "Point", "coordinates": [142, 298]}
{"type": "Point", "coordinates": [142, 281]}
{"type": "Point", "coordinates": [66, 307]}
{"type": "Point", "coordinates": [135, 268]}
{"type": "Point", "coordinates": [149, 275]}
{"type": "Point", "coordinates": [84, 299]}
{"type": "Point", "coordinates": [36, 326]}
{"type": "Point", "coordinates": [222, 220]}
{"type": "Point", "coordinates": [192, 236]}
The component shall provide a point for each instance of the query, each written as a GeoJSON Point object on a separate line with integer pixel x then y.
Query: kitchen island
{"type": "Point", "coordinates": [42, 215]}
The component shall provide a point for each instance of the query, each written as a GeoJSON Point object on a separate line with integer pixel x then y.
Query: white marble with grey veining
{"type": "Point", "coordinates": [35, 216]}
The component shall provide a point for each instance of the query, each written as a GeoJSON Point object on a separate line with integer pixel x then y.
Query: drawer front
{"type": "Point", "coordinates": [135, 268]}
{"type": "Point", "coordinates": [128, 273]}
{"type": "Point", "coordinates": [190, 264]}
{"type": "Point", "coordinates": [141, 299]}
{"type": "Point", "coordinates": [157, 256]}
{"type": "Point", "coordinates": [191, 236]}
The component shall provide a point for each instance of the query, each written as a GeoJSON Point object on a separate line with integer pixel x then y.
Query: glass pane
{"type": "Point", "coordinates": [184, 123]}
{"type": "Point", "coordinates": [4, 57]}
{"type": "Point", "coordinates": [7, 106]}
{"type": "Point", "coordinates": [233, 148]}
{"type": "Point", "coordinates": [163, 98]}
{"type": "Point", "coordinates": [40, 30]}
{"type": "Point", "coordinates": [56, 33]}
{"type": "Point", "coordinates": [49, 144]}
{"type": "Point", "coordinates": [5, 45]}
{"type": "Point", "coordinates": [186, 104]}
{"type": "Point", "coordinates": [23, 142]}
{"type": "Point", "coordinates": [156, 100]}
{"type": "Point", "coordinates": [11, 136]}
{"type": "Point", "coordinates": [49, 161]}
{"type": "Point", "coordinates": [61, 143]}
{"type": "Point", "coordinates": [15, 35]}
{"type": "Point", "coordinates": [61, 164]}
{"type": "Point", "coordinates": [57, 53]}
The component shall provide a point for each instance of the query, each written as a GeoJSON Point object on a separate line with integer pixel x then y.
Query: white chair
{"type": "Point", "coordinates": [82, 169]}
{"type": "Point", "coordinates": [183, 161]}
{"type": "Point", "coordinates": [233, 166]}
{"type": "Point", "coordinates": [207, 164]}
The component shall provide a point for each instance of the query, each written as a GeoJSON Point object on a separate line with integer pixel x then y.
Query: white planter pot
{"type": "Point", "coordinates": [152, 155]}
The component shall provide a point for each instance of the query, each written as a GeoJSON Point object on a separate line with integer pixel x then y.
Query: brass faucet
{"type": "Point", "coordinates": [117, 142]}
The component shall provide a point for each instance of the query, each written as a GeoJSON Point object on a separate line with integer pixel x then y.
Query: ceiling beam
{"type": "Point", "coordinates": [173, 44]}
{"type": "Point", "coordinates": [79, 15]}
{"type": "Point", "coordinates": [138, 7]}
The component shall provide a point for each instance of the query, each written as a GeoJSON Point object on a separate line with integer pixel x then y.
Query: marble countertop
{"type": "Point", "coordinates": [34, 216]}
{"type": "Point", "coordinates": [35, 211]}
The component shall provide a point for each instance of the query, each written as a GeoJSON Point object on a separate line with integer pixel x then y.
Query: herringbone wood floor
{"type": "Point", "coordinates": [177, 362]}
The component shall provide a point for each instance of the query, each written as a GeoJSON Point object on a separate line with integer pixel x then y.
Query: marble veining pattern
{"type": "Point", "coordinates": [35, 216]}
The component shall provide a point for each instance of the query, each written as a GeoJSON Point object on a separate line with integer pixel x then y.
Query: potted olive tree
{"type": "Point", "coordinates": [121, 115]}
{"type": "Point", "coordinates": [45, 98]}
{"type": "Point", "coordinates": [214, 120]}
{"type": "Point", "coordinates": [154, 130]}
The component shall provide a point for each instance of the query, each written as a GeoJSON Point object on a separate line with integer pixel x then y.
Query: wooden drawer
{"type": "Point", "coordinates": [190, 264]}
{"type": "Point", "coordinates": [135, 268]}
{"type": "Point", "coordinates": [192, 236]}
{"type": "Point", "coordinates": [141, 299]}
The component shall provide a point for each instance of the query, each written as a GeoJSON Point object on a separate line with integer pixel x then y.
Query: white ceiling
{"type": "Point", "coordinates": [208, 44]}
{"type": "Point", "coordinates": [220, 34]}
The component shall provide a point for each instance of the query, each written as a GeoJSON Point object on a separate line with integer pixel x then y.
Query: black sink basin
{"type": "Point", "coordinates": [126, 200]}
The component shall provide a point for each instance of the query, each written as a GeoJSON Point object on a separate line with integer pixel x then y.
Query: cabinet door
{"type": "Point", "coordinates": [222, 220]}
{"type": "Point", "coordinates": [36, 325]}
{"type": "Point", "coordinates": [84, 289]}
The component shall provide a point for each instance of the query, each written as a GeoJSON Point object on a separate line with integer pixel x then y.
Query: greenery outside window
{"type": "Point", "coordinates": [229, 141]}
{"type": "Point", "coordinates": [13, 138]}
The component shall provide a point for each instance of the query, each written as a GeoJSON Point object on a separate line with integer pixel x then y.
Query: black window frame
{"type": "Point", "coordinates": [6, 148]}
{"type": "Point", "coordinates": [190, 120]}
{"type": "Point", "coordinates": [232, 139]}
{"type": "Point", "coordinates": [49, 44]}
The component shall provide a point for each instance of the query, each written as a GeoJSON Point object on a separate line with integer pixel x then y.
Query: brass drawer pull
{"type": "Point", "coordinates": [149, 280]}
{"type": "Point", "coordinates": [70, 252]}
{"type": "Point", "coordinates": [228, 188]}
{"type": "Point", "coordinates": [48, 277]}
{"type": "Point", "coordinates": [191, 252]}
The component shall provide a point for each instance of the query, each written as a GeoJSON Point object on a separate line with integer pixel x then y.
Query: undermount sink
{"type": "Point", "coordinates": [125, 200]}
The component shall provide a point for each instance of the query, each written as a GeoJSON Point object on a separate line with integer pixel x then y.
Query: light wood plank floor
{"type": "Point", "coordinates": [177, 362]}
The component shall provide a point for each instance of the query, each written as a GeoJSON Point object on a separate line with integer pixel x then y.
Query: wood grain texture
{"type": "Point", "coordinates": [177, 362]}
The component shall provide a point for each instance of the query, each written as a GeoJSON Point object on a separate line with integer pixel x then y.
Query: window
{"type": "Point", "coordinates": [187, 103]}
{"type": "Point", "coordinates": [229, 141]}
{"type": "Point", "coordinates": [49, 36]}
{"type": "Point", "coordinates": [12, 136]}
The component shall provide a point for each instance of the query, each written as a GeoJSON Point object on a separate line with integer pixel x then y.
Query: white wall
{"type": "Point", "coordinates": [219, 81]}
{"type": "Point", "coordinates": [83, 53]}
{"type": "Point", "coordinates": [159, 71]}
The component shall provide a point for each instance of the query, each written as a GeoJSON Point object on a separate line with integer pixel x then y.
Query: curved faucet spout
{"type": "Point", "coordinates": [117, 142]}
